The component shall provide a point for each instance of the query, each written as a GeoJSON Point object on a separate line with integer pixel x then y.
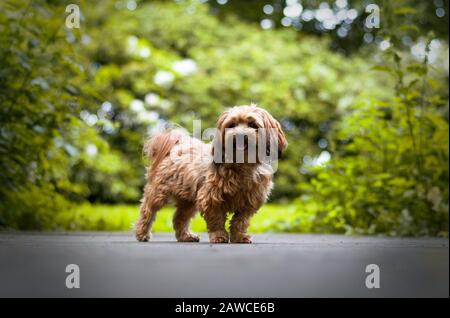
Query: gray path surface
{"type": "Point", "coordinates": [276, 265]}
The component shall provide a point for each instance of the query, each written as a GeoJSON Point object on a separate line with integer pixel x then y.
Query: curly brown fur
{"type": "Point", "coordinates": [183, 170]}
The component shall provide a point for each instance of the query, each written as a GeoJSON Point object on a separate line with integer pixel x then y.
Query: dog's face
{"type": "Point", "coordinates": [240, 130]}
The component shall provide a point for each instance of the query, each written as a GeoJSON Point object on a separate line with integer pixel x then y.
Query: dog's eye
{"type": "Point", "coordinates": [232, 125]}
{"type": "Point", "coordinates": [253, 125]}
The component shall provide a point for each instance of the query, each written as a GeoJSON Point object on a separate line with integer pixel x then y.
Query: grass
{"type": "Point", "coordinates": [87, 217]}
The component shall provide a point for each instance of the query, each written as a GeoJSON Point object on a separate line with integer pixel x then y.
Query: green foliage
{"type": "Point", "coordinates": [43, 87]}
{"type": "Point", "coordinates": [87, 217]}
{"type": "Point", "coordinates": [297, 79]}
{"type": "Point", "coordinates": [77, 104]}
{"type": "Point", "coordinates": [34, 102]}
{"type": "Point", "coordinates": [352, 38]}
{"type": "Point", "coordinates": [390, 172]}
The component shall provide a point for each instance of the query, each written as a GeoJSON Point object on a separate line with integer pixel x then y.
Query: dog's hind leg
{"type": "Point", "coordinates": [153, 200]}
{"type": "Point", "coordinates": [181, 220]}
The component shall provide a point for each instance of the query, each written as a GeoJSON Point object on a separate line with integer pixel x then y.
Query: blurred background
{"type": "Point", "coordinates": [364, 107]}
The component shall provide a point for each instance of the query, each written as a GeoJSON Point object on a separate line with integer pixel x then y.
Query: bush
{"type": "Point", "coordinates": [367, 132]}
{"type": "Point", "coordinates": [389, 171]}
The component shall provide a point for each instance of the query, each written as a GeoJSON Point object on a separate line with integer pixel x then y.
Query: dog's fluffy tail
{"type": "Point", "coordinates": [159, 146]}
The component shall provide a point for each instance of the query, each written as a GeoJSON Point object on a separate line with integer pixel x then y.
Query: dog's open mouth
{"type": "Point", "coordinates": [242, 145]}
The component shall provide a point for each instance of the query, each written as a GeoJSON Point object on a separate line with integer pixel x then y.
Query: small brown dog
{"type": "Point", "coordinates": [203, 177]}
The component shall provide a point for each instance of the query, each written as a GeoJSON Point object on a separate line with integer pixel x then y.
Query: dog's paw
{"type": "Point", "coordinates": [188, 237]}
{"type": "Point", "coordinates": [243, 239]}
{"type": "Point", "coordinates": [143, 237]}
{"type": "Point", "coordinates": [218, 237]}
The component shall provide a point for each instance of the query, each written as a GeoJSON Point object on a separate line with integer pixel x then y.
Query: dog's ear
{"type": "Point", "coordinates": [275, 132]}
{"type": "Point", "coordinates": [218, 147]}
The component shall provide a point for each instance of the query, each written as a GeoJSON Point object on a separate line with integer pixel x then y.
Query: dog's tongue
{"type": "Point", "coordinates": [240, 147]}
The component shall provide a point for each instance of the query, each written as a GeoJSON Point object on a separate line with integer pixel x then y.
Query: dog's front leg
{"type": "Point", "coordinates": [238, 228]}
{"type": "Point", "coordinates": [151, 203]}
{"type": "Point", "coordinates": [215, 222]}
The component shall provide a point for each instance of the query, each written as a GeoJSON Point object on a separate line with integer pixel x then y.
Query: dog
{"type": "Point", "coordinates": [207, 178]}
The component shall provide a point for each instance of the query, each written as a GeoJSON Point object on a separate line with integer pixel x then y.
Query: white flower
{"type": "Point", "coordinates": [419, 50]}
{"type": "Point", "coordinates": [434, 196]}
{"type": "Point", "coordinates": [185, 67]}
{"type": "Point", "coordinates": [137, 105]}
{"type": "Point", "coordinates": [144, 52]}
{"type": "Point", "coordinates": [148, 117]}
{"type": "Point", "coordinates": [293, 10]}
{"type": "Point", "coordinates": [132, 42]}
{"type": "Point", "coordinates": [323, 158]}
{"type": "Point", "coordinates": [384, 45]}
{"type": "Point", "coordinates": [163, 78]}
{"type": "Point", "coordinates": [91, 150]}
{"type": "Point", "coordinates": [324, 14]}
{"type": "Point", "coordinates": [91, 120]}
{"type": "Point", "coordinates": [266, 24]}
{"type": "Point", "coordinates": [352, 14]}
{"type": "Point", "coordinates": [106, 106]}
{"type": "Point", "coordinates": [341, 3]}
{"type": "Point", "coordinates": [165, 104]}
{"type": "Point", "coordinates": [152, 99]}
